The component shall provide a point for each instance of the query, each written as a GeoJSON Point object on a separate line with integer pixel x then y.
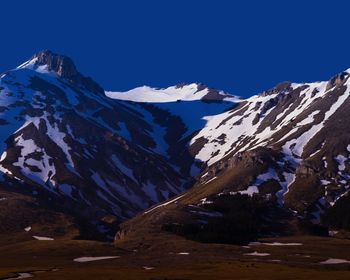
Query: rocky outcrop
{"type": "Point", "coordinates": [337, 80]}
{"type": "Point", "coordinates": [65, 68]}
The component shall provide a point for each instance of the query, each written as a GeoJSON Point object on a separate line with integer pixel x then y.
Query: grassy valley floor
{"type": "Point", "coordinates": [170, 257]}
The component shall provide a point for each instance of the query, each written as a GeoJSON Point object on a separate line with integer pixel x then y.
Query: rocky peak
{"type": "Point", "coordinates": [65, 68]}
{"type": "Point", "coordinates": [62, 65]}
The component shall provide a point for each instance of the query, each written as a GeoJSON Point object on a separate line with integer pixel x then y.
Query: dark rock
{"type": "Point", "coordinates": [65, 68]}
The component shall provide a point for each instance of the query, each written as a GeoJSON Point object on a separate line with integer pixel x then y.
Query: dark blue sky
{"type": "Point", "coordinates": [239, 46]}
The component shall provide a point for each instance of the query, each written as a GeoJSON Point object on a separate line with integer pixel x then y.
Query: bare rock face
{"type": "Point", "coordinates": [306, 170]}
{"type": "Point", "coordinates": [60, 64]}
{"type": "Point", "coordinates": [337, 80]}
{"type": "Point", "coordinates": [65, 68]}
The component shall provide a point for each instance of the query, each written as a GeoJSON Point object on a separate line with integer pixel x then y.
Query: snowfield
{"type": "Point", "coordinates": [171, 94]}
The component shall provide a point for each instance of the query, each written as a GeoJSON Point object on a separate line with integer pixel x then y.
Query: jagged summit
{"type": "Point", "coordinates": [61, 64]}
{"type": "Point", "coordinates": [47, 61]}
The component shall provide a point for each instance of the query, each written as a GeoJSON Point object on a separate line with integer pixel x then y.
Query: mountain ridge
{"type": "Point", "coordinates": [98, 153]}
{"type": "Point", "coordinates": [305, 178]}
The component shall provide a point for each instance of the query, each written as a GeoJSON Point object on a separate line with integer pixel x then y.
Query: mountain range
{"type": "Point", "coordinates": [187, 160]}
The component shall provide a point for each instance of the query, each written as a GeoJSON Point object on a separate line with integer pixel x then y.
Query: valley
{"type": "Point", "coordinates": [174, 258]}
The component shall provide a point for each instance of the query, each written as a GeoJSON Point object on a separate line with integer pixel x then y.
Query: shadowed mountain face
{"type": "Point", "coordinates": [277, 160]}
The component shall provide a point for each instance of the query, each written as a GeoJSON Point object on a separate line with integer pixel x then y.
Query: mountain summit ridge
{"type": "Point", "coordinates": [61, 64]}
{"type": "Point", "coordinates": [47, 61]}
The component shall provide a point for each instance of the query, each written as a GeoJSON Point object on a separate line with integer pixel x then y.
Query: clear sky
{"type": "Point", "coordinates": [242, 47]}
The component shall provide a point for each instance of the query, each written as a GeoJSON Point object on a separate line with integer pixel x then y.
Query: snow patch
{"type": "Point", "coordinates": [27, 229]}
{"type": "Point", "coordinates": [334, 261]}
{"type": "Point", "coordinates": [91, 259]}
{"type": "Point", "coordinates": [123, 168]}
{"type": "Point", "coordinates": [164, 204]}
{"type": "Point", "coordinates": [257, 254]}
{"type": "Point", "coordinates": [341, 162]}
{"type": "Point", "coordinates": [21, 275]}
{"type": "Point", "coordinates": [325, 182]}
{"type": "Point", "coordinates": [42, 238]}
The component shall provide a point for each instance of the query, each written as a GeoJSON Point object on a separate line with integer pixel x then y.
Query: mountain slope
{"type": "Point", "coordinates": [285, 151]}
{"type": "Point", "coordinates": [63, 139]}
{"type": "Point", "coordinates": [177, 114]}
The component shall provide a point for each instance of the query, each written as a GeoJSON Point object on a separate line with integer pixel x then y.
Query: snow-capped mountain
{"type": "Point", "coordinates": [305, 124]}
{"type": "Point", "coordinates": [288, 145]}
{"type": "Point", "coordinates": [182, 92]}
{"type": "Point", "coordinates": [295, 120]}
{"type": "Point", "coordinates": [61, 137]}
{"type": "Point", "coordinates": [64, 140]}
{"type": "Point", "coordinates": [94, 152]}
